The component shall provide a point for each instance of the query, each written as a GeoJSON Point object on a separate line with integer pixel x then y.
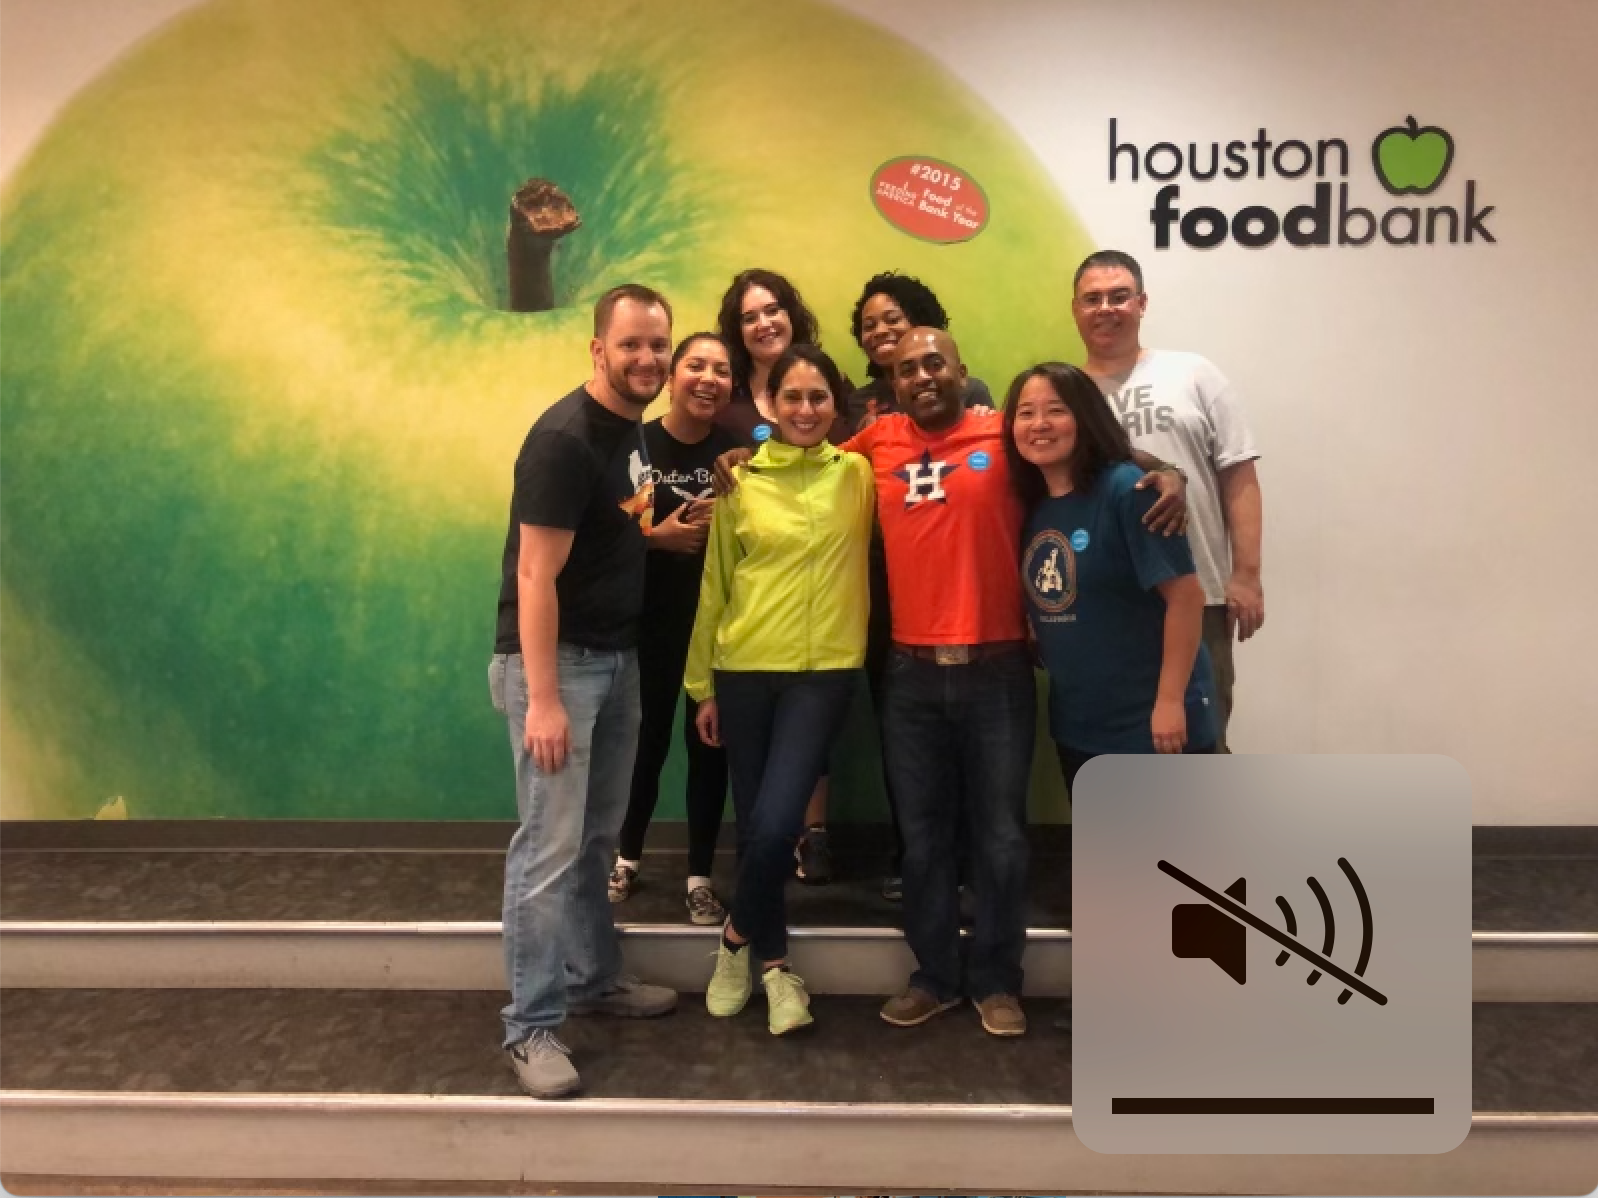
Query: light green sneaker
{"type": "Point", "coordinates": [788, 1003]}
{"type": "Point", "coordinates": [730, 984]}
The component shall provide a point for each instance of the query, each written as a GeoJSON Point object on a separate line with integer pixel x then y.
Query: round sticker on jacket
{"type": "Point", "coordinates": [762, 432]}
{"type": "Point", "coordinates": [1079, 539]}
{"type": "Point", "coordinates": [978, 460]}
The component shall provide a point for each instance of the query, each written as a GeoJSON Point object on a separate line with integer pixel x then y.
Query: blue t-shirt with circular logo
{"type": "Point", "coordinates": [1090, 573]}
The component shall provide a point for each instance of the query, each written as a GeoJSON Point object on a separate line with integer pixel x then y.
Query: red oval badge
{"type": "Point", "coordinates": [929, 199]}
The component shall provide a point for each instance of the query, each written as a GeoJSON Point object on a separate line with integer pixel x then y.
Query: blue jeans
{"type": "Point", "coordinates": [560, 942]}
{"type": "Point", "coordinates": [778, 729]}
{"type": "Point", "coordinates": [961, 736]}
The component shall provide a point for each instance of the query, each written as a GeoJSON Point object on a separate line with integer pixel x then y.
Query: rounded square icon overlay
{"type": "Point", "coordinates": [1271, 954]}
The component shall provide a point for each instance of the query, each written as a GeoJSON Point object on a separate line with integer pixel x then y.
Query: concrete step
{"type": "Point", "coordinates": [1508, 966]}
{"type": "Point", "coordinates": [405, 915]}
{"type": "Point", "coordinates": [412, 1086]}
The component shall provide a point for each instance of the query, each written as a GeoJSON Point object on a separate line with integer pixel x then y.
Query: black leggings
{"type": "Point", "coordinates": [662, 654]}
{"type": "Point", "coordinates": [879, 647]}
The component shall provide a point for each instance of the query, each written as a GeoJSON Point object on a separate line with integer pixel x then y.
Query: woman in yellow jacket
{"type": "Point", "coordinates": [776, 655]}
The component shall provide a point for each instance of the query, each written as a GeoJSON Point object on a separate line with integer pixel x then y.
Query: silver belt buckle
{"type": "Point", "coordinates": [952, 655]}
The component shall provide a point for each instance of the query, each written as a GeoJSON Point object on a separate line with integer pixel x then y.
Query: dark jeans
{"type": "Point", "coordinates": [956, 731]}
{"type": "Point", "coordinates": [1219, 644]}
{"type": "Point", "coordinates": [777, 729]}
{"type": "Point", "coordinates": [1071, 762]}
{"type": "Point", "coordinates": [662, 654]}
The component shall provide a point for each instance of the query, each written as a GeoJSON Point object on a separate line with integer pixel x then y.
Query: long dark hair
{"type": "Point", "coordinates": [915, 299]}
{"type": "Point", "coordinates": [1100, 439]}
{"type": "Point", "coordinates": [730, 319]}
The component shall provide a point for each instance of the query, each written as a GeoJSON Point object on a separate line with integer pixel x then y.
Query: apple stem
{"type": "Point", "coordinates": [540, 215]}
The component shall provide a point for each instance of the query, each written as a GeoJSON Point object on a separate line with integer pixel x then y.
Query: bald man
{"type": "Point", "coordinates": [959, 697]}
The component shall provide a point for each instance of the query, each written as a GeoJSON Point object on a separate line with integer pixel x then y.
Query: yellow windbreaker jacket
{"type": "Point", "coordinates": [785, 585]}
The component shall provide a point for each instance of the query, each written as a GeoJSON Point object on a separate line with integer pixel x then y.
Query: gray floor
{"type": "Point", "coordinates": [1527, 1057]}
{"type": "Point", "coordinates": [1510, 893]}
{"type": "Point", "coordinates": [447, 1043]}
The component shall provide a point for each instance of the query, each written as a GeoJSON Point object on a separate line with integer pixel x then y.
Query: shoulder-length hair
{"type": "Point", "coordinates": [730, 319]}
{"type": "Point", "coordinates": [1100, 439]}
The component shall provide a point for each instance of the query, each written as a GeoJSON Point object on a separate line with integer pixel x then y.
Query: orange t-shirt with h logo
{"type": "Point", "coordinates": [951, 525]}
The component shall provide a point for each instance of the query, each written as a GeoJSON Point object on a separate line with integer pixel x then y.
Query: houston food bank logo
{"type": "Point", "coordinates": [1408, 160]}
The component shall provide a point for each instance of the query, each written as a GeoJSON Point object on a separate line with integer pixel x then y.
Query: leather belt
{"type": "Point", "coordinates": [961, 655]}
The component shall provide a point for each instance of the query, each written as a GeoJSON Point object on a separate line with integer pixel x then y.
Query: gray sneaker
{"type": "Point", "coordinates": [541, 1065]}
{"type": "Point", "coordinates": [628, 998]}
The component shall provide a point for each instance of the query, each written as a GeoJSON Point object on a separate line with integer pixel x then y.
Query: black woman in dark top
{"type": "Point", "coordinates": [682, 446]}
{"type": "Point", "coordinates": [890, 305]}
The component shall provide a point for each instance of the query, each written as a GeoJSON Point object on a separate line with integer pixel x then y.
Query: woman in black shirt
{"type": "Point", "coordinates": [682, 448]}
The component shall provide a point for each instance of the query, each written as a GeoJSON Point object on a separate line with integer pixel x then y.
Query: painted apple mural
{"type": "Point", "coordinates": [261, 392]}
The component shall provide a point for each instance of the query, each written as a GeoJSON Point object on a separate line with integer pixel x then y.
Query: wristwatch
{"type": "Point", "coordinates": [1180, 473]}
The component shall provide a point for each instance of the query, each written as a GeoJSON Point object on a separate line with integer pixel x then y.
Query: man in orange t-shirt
{"type": "Point", "coordinates": [959, 716]}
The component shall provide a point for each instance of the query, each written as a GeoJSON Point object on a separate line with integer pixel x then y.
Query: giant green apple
{"type": "Point", "coordinates": [261, 397]}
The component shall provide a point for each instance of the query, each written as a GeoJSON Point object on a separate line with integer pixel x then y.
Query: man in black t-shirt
{"type": "Point", "coordinates": [565, 675]}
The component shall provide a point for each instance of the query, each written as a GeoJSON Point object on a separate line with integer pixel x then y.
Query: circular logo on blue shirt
{"type": "Point", "coordinates": [1079, 539]}
{"type": "Point", "coordinates": [762, 432]}
{"type": "Point", "coordinates": [1049, 570]}
{"type": "Point", "coordinates": [978, 461]}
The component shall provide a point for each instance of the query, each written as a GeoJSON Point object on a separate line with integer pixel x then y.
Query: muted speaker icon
{"type": "Point", "coordinates": [1218, 930]}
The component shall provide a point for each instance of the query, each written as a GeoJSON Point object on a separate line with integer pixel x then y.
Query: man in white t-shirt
{"type": "Point", "coordinates": [1179, 407]}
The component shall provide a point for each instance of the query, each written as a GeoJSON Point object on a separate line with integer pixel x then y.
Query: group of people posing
{"type": "Point", "coordinates": [776, 534]}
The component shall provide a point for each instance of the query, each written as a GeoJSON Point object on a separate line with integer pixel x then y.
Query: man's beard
{"type": "Point", "coordinates": [620, 384]}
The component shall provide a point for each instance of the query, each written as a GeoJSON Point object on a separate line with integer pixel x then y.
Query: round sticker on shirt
{"type": "Point", "coordinates": [762, 432]}
{"type": "Point", "coordinates": [978, 460]}
{"type": "Point", "coordinates": [1079, 539]}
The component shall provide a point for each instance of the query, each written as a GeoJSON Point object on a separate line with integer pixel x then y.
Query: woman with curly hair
{"type": "Point", "coordinates": [890, 305]}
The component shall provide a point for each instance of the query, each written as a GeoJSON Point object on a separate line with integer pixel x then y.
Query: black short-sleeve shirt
{"type": "Point", "coordinates": [682, 471]}
{"type": "Point", "coordinates": [583, 468]}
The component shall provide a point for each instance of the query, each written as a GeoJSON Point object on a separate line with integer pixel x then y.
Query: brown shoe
{"type": "Point", "coordinates": [914, 1007]}
{"type": "Point", "coordinates": [1002, 1015]}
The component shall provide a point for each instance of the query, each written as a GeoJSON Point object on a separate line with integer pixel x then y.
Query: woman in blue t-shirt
{"type": "Point", "coordinates": [1117, 610]}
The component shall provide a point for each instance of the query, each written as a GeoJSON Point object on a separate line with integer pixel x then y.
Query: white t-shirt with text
{"type": "Point", "coordinates": [1180, 408]}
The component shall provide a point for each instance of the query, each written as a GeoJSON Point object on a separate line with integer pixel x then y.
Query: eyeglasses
{"type": "Point", "coordinates": [1119, 298]}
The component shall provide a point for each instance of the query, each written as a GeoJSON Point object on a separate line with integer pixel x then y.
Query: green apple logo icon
{"type": "Point", "coordinates": [1411, 160]}
{"type": "Point", "coordinates": [263, 385]}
